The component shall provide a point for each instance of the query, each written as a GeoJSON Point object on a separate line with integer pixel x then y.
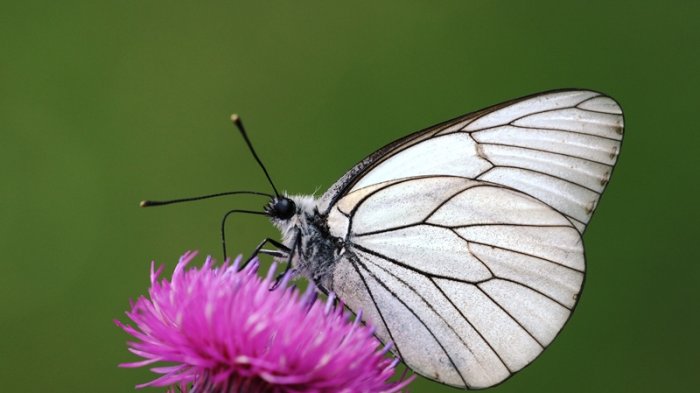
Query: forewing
{"type": "Point", "coordinates": [559, 147]}
{"type": "Point", "coordinates": [470, 284]}
{"type": "Point", "coordinates": [463, 240]}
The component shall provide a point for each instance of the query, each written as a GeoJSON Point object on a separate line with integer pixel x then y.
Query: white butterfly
{"type": "Point", "coordinates": [462, 242]}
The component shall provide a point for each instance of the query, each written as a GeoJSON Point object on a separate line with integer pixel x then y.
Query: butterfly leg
{"type": "Point", "coordinates": [288, 270]}
{"type": "Point", "coordinates": [283, 251]}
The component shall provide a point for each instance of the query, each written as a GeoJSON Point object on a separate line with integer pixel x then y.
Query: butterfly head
{"type": "Point", "coordinates": [281, 208]}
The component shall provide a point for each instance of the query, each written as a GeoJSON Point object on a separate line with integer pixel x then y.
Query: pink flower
{"type": "Point", "coordinates": [222, 329]}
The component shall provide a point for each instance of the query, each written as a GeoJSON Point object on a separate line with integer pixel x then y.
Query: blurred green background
{"type": "Point", "coordinates": [103, 104]}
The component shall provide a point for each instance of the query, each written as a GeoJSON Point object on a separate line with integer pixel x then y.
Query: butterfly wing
{"type": "Point", "coordinates": [467, 287]}
{"type": "Point", "coordinates": [463, 241]}
{"type": "Point", "coordinates": [560, 147]}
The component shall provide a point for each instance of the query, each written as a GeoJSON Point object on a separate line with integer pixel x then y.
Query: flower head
{"type": "Point", "coordinates": [222, 329]}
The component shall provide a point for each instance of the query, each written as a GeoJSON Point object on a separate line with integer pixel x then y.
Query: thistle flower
{"type": "Point", "coordinates": [222, 329]}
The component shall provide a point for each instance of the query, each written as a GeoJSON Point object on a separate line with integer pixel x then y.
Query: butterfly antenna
{"type": "Point", "coordinates": [239, 124]}
{"type": "Point", "coordinates": [148, 203]}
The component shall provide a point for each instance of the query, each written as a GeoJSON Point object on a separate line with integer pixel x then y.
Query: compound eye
{"type": "Point", "coordinates": [285, 208]}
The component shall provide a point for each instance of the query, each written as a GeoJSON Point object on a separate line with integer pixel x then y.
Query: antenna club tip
{"type": "Point", "coordinates": [144, 203]}
{"type": "Point", "coordinates": [235, 118]}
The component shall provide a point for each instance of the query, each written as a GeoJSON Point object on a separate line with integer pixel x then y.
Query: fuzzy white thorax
{"type": "Point", "coordinates": [316, 252]}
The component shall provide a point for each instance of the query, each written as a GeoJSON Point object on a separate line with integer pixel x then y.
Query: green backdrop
{"type": "Point", "coordinates": [103, 104]}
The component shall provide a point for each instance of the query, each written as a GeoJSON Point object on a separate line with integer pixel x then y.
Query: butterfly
{"type": "Point", "coordinates": [461, 243]}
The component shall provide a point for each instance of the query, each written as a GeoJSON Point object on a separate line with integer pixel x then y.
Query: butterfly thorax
{"type": "Point", "coordinates": [316, 249]}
